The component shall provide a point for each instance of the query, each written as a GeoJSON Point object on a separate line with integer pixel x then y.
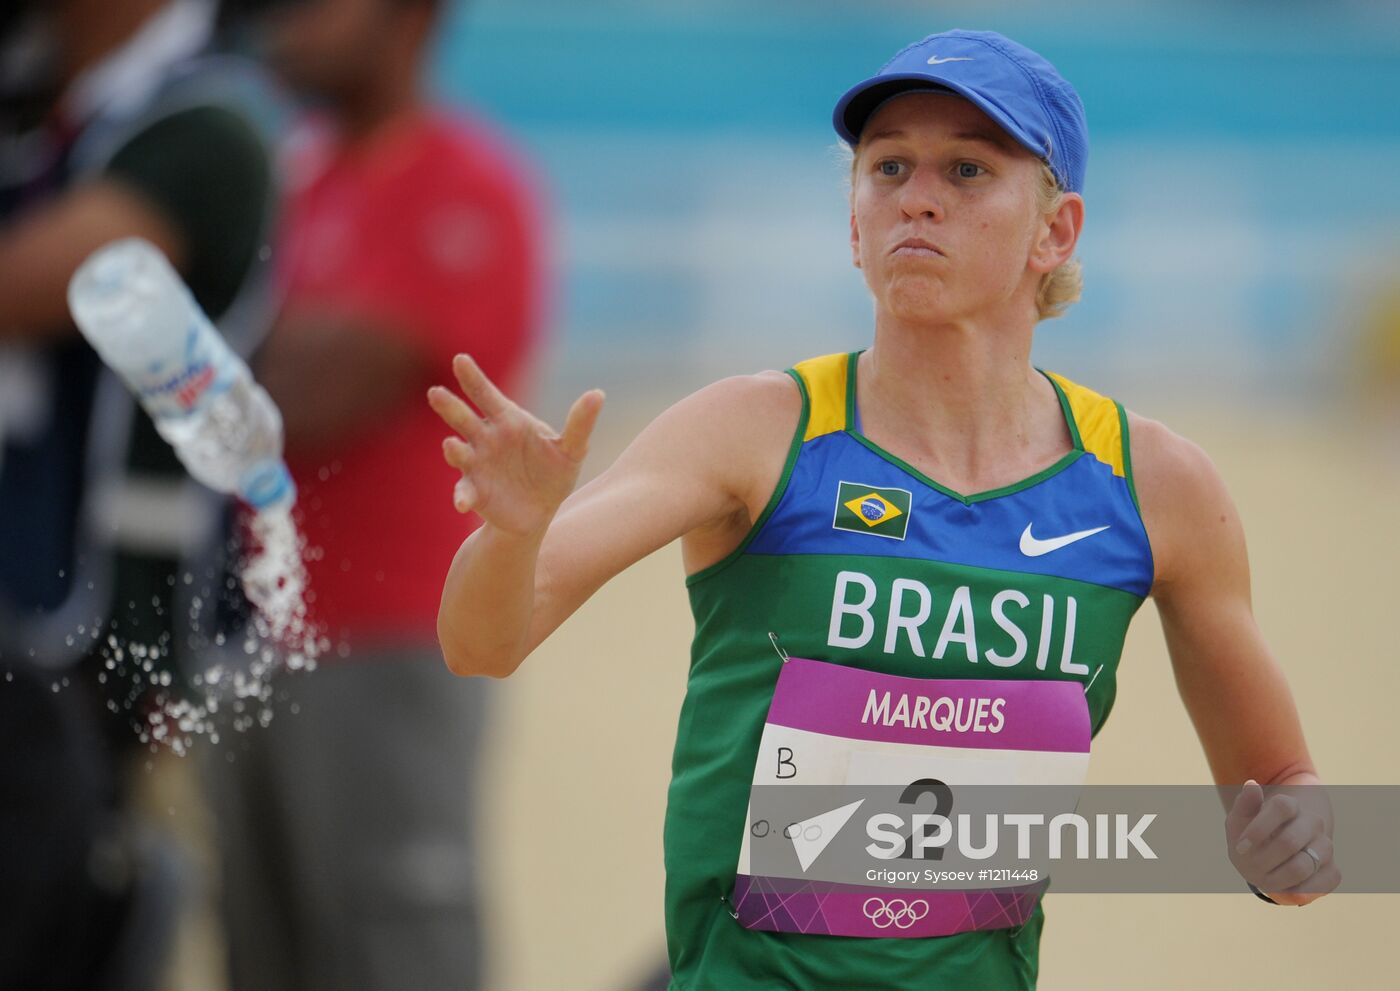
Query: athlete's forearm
{"type": "Point", "coordinates": [487, 602]}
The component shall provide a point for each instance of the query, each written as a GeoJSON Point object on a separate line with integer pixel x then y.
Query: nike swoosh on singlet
{"type": "Point", "coordinates": [1031, 547]}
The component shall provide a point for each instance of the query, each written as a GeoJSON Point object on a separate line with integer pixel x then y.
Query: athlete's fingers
{"type": "Point", "coordinates": [1276, 810]}
{"type": "Point", "coordinates": [1275, 852]}
{"type": "Point", "coordinates": [464, 495]}
{"type": "Point", "coordinates": [458, 453]}
{"type": "Point", "coordinates": [1246, 806]}
{"type": "Point", "coordinates": [1328, 878]}
{"type": "Point", "coordinates": [455, 413]}
{"type": "Point", "coordinates": [1293, 871]}
{"type": "Point", "coordinates": [578, 426]}
{"type": "Point", "coordinates": [1299, 867]}
{"type": "Point", "coordinates": [479, 389]}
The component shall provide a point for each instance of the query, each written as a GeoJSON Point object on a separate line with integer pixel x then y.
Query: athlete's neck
{"type": "Point", "coordinates": [965, 402]}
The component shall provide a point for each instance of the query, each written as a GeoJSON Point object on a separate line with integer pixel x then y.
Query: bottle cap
{"type": "Point", "coordinates": [267, 485]}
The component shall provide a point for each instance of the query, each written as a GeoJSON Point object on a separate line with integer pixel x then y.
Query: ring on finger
{"type": "Point", "coordinates": [1317, 861]}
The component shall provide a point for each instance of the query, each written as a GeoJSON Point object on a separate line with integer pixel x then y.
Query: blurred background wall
{"type": "Point", "coordinates": [1242, 202]}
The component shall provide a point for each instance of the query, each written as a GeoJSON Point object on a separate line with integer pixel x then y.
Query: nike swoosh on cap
{"type": "Point", "coordinates": [935, 60]}
{"type": "Point", "coordinates": [1032, 547]}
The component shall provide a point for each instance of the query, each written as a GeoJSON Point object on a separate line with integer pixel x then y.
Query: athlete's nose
{"type": "Point", "coordinates": [921, 195]}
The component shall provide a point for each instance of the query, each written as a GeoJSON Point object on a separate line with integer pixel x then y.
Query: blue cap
{"type": "Point", "coordinates": [1008, 82]}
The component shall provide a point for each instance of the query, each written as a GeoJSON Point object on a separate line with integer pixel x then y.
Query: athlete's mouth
{"type": "Point", "coordinates": [917, 246]}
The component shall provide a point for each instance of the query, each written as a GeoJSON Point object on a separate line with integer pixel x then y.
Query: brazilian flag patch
{"type": "Point", "coordinates": [869, 509]}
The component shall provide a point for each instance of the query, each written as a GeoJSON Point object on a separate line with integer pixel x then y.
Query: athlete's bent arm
{"type": "Point", "coordinates": [541, 551]}
{"type": "Point", "coordinates": [1233, 689]}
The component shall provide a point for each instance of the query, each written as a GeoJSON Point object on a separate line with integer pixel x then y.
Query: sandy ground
{"type": "Point", "coordinates": [580, 750]}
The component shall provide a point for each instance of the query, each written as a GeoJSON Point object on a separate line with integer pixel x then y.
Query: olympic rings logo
{"type": "Point", "coordinates": [896, 912]}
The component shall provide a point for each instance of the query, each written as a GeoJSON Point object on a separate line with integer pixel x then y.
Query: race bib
{"type": "Point", "coordinates": [835, 725]}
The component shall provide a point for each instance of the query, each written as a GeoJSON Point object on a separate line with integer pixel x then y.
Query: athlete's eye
{"type": "Point", "coordinates": [889, 167]}
{"type": "Point", "coordinates": [969, 170]}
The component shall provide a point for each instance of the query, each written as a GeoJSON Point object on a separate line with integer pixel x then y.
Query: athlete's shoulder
{"type": "Point", "coordinates": [727, 438]}
{"type": "Point", "coordinates": [1185, 503]}
{"type": "Point", "coordinates": [763, 409]}
{"type": "Point", "coordinates": [769, 385]}
{"type": "Point", "coordinates": [754, 398]}
{"type": "Point", "coordinates": [1166, 463]}
{"type": "Point", "coordinates": [733, 423]}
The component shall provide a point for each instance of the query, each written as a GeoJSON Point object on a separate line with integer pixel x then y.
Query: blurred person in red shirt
{"type": "Point", "coordinates": [410, 235]}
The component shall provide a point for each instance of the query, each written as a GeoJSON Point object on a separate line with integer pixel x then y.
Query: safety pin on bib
{"type": "Point", "coordinates": [773, 639]}
{"type": "Point", "coordinates": [728, 906]}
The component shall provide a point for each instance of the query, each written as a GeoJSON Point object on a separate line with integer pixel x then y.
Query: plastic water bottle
{"type": "Point", "coordinates": [143, 321]}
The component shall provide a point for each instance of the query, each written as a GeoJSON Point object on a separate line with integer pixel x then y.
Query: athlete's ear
{"type": "Point", "coordinates": [1059, 233]}
{"type": "Point", "coordinates": [855, 237]}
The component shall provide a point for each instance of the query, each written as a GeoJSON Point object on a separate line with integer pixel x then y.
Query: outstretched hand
{"type": "Point", "coordinates": [516, 470]}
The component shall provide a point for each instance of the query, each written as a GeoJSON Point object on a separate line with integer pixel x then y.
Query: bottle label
{"type": "Point", "coordinates": [176, 388]}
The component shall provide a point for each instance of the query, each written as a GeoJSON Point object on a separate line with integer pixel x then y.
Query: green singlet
{"type": "Point", "coordinates": [859, 559]}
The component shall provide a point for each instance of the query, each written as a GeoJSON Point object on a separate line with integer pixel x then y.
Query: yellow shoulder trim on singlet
{"type": "Point", "coordinates": [825, 379]}
{"type": "Point", "coordinates": [1096, 417]}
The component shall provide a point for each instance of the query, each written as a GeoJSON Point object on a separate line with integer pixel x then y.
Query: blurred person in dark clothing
{"type": "Point", "coordinates": [346, 827]}
{"type": "Point", "coordinates": [118, 121]}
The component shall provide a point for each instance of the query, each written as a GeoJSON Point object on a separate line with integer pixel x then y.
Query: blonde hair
{"type": "Point", "coordinates": [1058, 289]}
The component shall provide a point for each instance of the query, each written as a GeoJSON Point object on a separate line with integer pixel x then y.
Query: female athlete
{"type": "Point", "coordinates": [932, 507]}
